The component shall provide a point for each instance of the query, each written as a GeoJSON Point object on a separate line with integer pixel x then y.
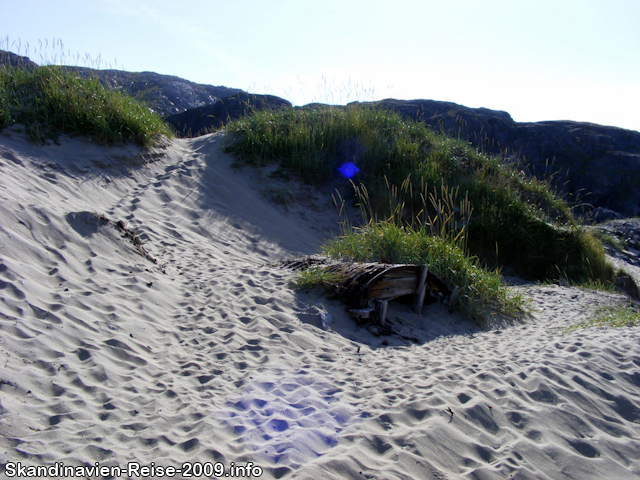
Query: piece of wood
{"type": "Point", "coordinates": [380, 314]}
{"type": "Point", "coordinates": [422, 289]}
{"type": "Point", "coordinates": [392, 281]}
{"type": "Point", "coordinates": [388, 289]}
{"type": "Point", "coordinates": [363, 285]}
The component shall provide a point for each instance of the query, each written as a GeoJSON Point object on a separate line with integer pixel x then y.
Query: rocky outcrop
{"type": "Point", "coordinates": [482, 127]}
{"type": "Point", "coordinates": [12, 60]}
{"type": "Point", "coordinates": [165, 94]}
{"type": "Point", "coordinates": [592, 164]}
{"type": "Point", "coordinates": [626, 245]}
{"type": "Point", "coordinates": [597, 165]}
{"type": "Point", "coordinates": [198, 121]}
{"type": "Point", "coordinates": [621, 239]}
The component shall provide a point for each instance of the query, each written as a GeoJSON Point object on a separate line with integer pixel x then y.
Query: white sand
{"type": "Point", "coordinates": [207, 356]}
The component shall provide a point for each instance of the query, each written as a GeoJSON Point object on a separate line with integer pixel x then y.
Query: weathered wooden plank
{"type": "Point", "coordinates": [386, 284]}
{"type": "Point", "coordinates": [422, 289]}
{"type": "Point", "coordinates": [392, 292]}
{"type": "Point", "coordinates": [404, 281]}
{"type": "Point", "coordinates": [385, 281]}
{"type": "Point", "coordinates": [413, 273]}
{"type": "Point", "coordinates": [380, 313]}
{"type": "Point", "coordinates": [413, 277]}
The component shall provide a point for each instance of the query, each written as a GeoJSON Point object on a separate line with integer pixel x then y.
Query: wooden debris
{"type": "Point", "coordinates": [380, 312]}
{"type": "Point", "coordinates": [368, 287]}
{"type": "Point", "coordinates": [417, 306]}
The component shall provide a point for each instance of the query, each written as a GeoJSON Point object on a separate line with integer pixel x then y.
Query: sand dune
{"type": "Point", "coordinates": [205, 355]}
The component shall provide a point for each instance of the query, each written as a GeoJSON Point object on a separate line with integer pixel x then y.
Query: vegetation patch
{"type": "Point", "coordinates": [50, 101]}
{"type": "Point", "coordinates": [315, 276]}
{"type": "Point", "coordinates": [427, 198]}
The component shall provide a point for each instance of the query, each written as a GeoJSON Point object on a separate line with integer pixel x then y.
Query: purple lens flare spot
{"type": "Point", "coordinates": [348, 170]}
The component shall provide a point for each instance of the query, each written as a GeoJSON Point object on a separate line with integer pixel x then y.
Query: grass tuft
{"type": "Point", "coordinates": [316, 277]}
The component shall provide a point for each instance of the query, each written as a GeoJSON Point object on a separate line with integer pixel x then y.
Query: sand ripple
{"type": "Point", "coordinates": [207, 356]}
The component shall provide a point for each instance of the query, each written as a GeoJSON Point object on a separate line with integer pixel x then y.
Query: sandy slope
{"type": "Point", "coordinates": [206, 356]}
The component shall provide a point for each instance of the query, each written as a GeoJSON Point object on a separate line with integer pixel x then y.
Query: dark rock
{"type": "Point", "coordinates": [597, 165]}
{"type": "Point", "coordinates": [12, 60]}
{"type": "Point", "coordinates": [198, 121]}
{"type": "Point", "coordinates": [621, 239]}
{"type": "Point", "coordinates": [627, 285]}
{"type": "Point", "coordinates": [165, 94]}
{"type": "Point", "coordinates": [484, 128]}
{"type": "Point", "coordinates": [591, 164]}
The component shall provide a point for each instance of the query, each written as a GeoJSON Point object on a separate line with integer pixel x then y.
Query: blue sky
{"type": "Point", "coordinates": [536, 59]}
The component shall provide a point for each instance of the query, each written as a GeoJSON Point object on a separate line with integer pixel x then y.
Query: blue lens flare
{"type": "Point", "coordinates": [348, 170]}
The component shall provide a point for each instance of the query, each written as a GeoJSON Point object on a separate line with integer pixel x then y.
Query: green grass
{"type": "Point", "coordinates": [615, 317]}
{"type": "Point", "coordinates": [481, 295]}
{"type": "Point", "coordinates": [316, 277]}
{"type": "Point", "coordinates": [50, 101]}
{"type": "Point", "coordinates": [441, 244]}
{"type": "Point", "coordinates": [517, 220]}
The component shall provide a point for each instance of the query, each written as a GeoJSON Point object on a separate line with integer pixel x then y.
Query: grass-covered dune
{"type": "Point", "coordinates": [429, 199]}
{"type": "Point", "coordinates": [50, 101]}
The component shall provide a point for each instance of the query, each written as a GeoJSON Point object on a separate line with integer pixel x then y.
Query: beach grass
{"type": "Point", "coordinates": [316, 277]}
{"type": "Point", "coordinates": [49, 101]}
{"type": "Point", "coordinates": [415, 184]}
{"type": "Point", "coordinates": [517, 219]}
{"type": "Point", "coordinates": [482, 294]}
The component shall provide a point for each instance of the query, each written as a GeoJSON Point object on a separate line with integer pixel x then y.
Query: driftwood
{"type": "Point", "coordinates": [368, 287]}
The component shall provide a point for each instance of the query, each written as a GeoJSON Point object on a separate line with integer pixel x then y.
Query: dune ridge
{"type": "Point", "coordinates": [206, 356]}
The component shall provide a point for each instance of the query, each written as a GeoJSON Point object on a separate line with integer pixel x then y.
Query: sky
{"type": "Point", "coordinates": [536, 59]}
